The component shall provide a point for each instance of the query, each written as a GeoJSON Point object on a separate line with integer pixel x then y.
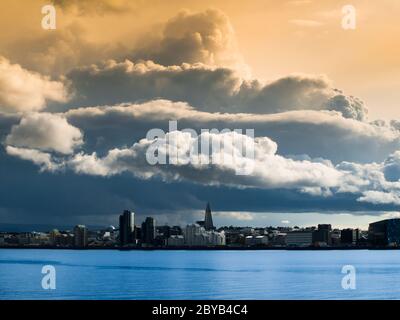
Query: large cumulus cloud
{"type": "Point", "coordinates": [206, 37]}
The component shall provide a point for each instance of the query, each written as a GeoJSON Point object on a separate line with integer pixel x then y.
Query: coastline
{"type": "Point", "coordinates": [223, 248]}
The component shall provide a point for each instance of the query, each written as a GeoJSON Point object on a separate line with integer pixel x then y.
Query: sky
{"type": "Point", "coordinates": [77, 103]}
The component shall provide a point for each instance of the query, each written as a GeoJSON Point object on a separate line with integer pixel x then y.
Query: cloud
{"type": "Point", "coordinates": [22, 90]}
{"type": "Point", "coordinates": [268, 170]}
{"type": "Point", "coordinates": [45, 131]}
{"type": "Point", "coordinates": [57, 52]}
{"type": "Point", "coordinates": [380, 197]}
{"type": "Point", "coordinates": [206, 37]}
{"type": "Point", "coordinates": [41, 159]}
{"type": "Point", "coordinates": [208, 88]}
{"type": "Point", "coordinates": [324, 134]}
{"type": "Point", "coordinates": [345, 184]}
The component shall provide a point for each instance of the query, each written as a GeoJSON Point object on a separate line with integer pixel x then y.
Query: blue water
{"type": "Point", "coordinates": [111, 274]}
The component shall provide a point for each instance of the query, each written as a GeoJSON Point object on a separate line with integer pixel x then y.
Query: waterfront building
{"type": "Point", "coordinates": [322, 236]}
{"type": "Point", "coordinates": [55, 237]}
{"type": "Point", "coordinates": [349, 236]}
{"type": "Point", "coordinates": [299, 238]}
{"type": "Point", "coordinates": [127, 228]}
{"type": "Point", "coordinates": [256, 240]}
{"type": "Point", "coordinates": [148, 230]}
{"type": "Point", "coordinates": [247, 231]}
{"type": "Point", "coordinates": [196, 235]}
{"type": "Point", "coordinates": [176, 241]}
{"type": "Point", "coordinates": [80, 236]}
{"type": "Point", "coordinates": [385, 232]}
{"type": "Point", "coordinates": [277, 238]}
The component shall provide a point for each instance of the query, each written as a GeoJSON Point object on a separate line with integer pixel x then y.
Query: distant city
{"type": "Point", "coordinates": [204, 235]}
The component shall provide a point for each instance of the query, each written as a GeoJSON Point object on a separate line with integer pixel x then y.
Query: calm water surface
{"type": "Point", "coordinates": [112, 274]}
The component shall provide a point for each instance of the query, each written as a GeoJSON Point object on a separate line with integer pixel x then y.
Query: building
{"type": "Point", "coordinates": [299, 238]}
{"type": "Point", "coordinates": [55, 237]}
{"type": "Point", "coordinates": [196, 235]}
{"type": "Point", "coordinates": [148, 230]}
{"type": "Point", "coordinates": [256, 240]}
{"type": "Point", "coordinates": [277, 238]}
{"type": "Point", "coordinates": [322, 236]}
{"type": "Point", "coordinates": [176, 241]}
{"type": "Point", "coordinates": [208, 221]}
{"type": "Point", "coordinates": [349, 236]}
{"type": "Point", "coordinates": [127, 228]}
{"type": "Point", "coordinates": [385, 232]}
{"type": "Point", "coordinates": [80, 236]}
{"type": "Point", "coordinates": [336, 235]}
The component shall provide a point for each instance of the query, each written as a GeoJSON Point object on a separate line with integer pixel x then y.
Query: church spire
{"type": "Point", "coordinates": [208, 221]}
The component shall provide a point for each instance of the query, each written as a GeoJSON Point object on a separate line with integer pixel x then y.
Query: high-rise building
{"type": "Point", "coordinates": [149, 230]}
{"type": "Point", "coordinates": [323, 234]}
{"type": "Point", "coordinates": [349, 236]}
{"type": "Point", "coordinates": [127, 228]}
{"type": "Point", "coordinates": [208, 221]}
{"type": "Point", "coordinates": [385, 232]}
{"type": "Point", "coordinates": [80, 236]}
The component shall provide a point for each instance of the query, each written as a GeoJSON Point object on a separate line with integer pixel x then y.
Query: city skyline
{"type": "Point", "coordinates": [203, 234]}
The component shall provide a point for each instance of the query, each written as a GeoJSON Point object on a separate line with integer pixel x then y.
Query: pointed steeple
{"type": "Point", "coordinates": [208, 221]}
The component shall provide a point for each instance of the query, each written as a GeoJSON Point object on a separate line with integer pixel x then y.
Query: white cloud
{"type": "Point", "coordinates": [45, 131]}
{"type": "Point", "coordinates": [380, 197]}
{"type": "Point", "coordinates": [270, 170]}
{"type": "Point", "coordinates": [22, 90]}
{"type": "Point", "coordinates": [41, 159]}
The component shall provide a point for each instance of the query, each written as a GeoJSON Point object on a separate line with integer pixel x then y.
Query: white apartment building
{"type": "Point", "coordinates": [196, 235]}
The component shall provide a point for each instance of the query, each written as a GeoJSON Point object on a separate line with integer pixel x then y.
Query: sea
{"type": "Point", "coordinates": [206, 275]}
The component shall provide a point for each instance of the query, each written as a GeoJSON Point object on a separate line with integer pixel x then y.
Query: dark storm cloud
{"type": "Point", "coordinates": [67, 198]}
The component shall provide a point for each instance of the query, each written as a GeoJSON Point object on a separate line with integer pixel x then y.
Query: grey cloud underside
{"type": "Point", "coordinates": [214, 89]}
{"type": "Point", "coordinates": [68, 198]}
